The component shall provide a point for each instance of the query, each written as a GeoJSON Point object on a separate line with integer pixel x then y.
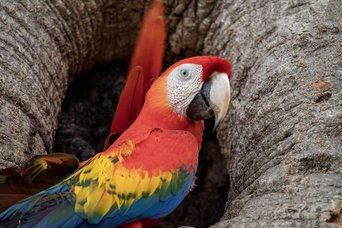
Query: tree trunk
{"type": "Point", "coordinates": [283, 134]}
{"type": "Point", "coordinates": [282, 137]}
{"type": "Point", "coordinates": [43, 45]}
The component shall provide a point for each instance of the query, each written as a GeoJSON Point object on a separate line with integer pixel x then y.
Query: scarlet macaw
{"type": "Point", "coordinates": [150, 168]}
{"type": "Point", "coordinates": [43, 171]}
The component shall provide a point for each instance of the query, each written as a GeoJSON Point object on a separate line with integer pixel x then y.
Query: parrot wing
{"type": "Point", "coordinates": [56, 164]}
{"type": "Point", "coordinates": [44, 171]}
{"type": "Point", "coordinates": [144, 177]}
{"type": "Point", "coordinates": [41, 172]}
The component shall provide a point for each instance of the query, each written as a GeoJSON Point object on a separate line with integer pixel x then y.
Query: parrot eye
{"type": "Point", "coordinates": [184, 73]}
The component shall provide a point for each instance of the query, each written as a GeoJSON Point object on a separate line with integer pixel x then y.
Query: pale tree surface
{"type": "Point", "coordinates": [282, 137]}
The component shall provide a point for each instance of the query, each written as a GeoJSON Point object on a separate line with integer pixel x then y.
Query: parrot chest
{"type": "Point", "coordinates": [165, 151]}
{"type": "Point", "coordinates": [145, 178]}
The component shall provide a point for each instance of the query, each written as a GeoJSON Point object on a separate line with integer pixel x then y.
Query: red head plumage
{"type": "Point", "coordinates": [210, 65]}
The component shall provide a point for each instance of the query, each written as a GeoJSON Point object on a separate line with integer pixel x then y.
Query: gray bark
{"type": "Point", "coordinates": [43, 44]}
{"type": "Point", "coordinates": [283, 134]}
{"type": "Point", "coordinates": [282, 137]}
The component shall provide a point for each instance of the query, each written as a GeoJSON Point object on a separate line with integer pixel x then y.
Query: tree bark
{"type": "Point", "coordinates": [283, 134]}
{"type": "Point", "coordinates": [282, 137]}
{"type": "Point", "coordinates": [43, 45]}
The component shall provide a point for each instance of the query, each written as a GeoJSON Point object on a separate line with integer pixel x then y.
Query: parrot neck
{"type": "Point", "coordinates": [157, 113]}
{"type": "Point", "coordinates": [168, 119]}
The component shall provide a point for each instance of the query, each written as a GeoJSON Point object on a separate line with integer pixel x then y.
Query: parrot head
{"type": "Point", "coordinates": [196, 88]}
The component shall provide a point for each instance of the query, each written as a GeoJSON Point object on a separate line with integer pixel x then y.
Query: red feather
{"type": "Point", "coordinates": [135, 224]}
{"type": "Point", "coordinates": [41, 172]}
{"type": "Point", "coordinates": [144, 223]}
{"type": "Point", "coordinates": [129, 105]}
{"type": "Point", "coordinates": [146, 64]}
{"type": "Point", "coordinates": [150, 45]}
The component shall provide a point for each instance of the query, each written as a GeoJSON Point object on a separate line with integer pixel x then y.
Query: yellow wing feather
{"type": "Point", "coordinates": [104, 183]}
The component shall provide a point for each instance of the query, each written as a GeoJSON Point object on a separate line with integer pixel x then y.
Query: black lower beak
{"type": "Point", "coordinates": [212, 101]}
{"type": "Point", "coordinates": [199, 108]}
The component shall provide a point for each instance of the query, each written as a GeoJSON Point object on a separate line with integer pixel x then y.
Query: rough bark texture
{"type": "Point", "coordinates": [43, 44]}
{"type": "Point", "coordinates": [282, 138]}
{"type": "Point", "coordinates": [283, 135]}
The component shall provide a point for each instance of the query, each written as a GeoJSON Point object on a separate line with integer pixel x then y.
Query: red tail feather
{"type": "Point", "coordinates": [129, 105]}
{"type": "Point", "coordinates": [130, 101]}
{"type": "Point", "coordinates": [146, 64]}
{"type": "Point", "coordinates": [148, 57]}
{"type": "Point", "coordinates": [150, 45]}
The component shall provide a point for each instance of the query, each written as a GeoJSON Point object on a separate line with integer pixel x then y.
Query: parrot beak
{"type": "Point", "coordinates": [213, 100]}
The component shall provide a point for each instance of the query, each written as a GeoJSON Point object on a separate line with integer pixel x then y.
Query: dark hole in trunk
{"type": "Point", "coordinates": [86, 116]}
{"type": "Point", "coordinates": [88, 109]}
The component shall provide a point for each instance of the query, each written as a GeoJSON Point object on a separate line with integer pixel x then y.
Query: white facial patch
{"type": "Point", "coordinates": [183, 83]}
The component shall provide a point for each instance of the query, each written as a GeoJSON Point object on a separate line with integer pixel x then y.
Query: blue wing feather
{"type": "Point", "coordinates": [55, 207]}
{"type": "Point", "coordinates": [155, 208]}
{"type": "Point", "coordinates": [62, 214]}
